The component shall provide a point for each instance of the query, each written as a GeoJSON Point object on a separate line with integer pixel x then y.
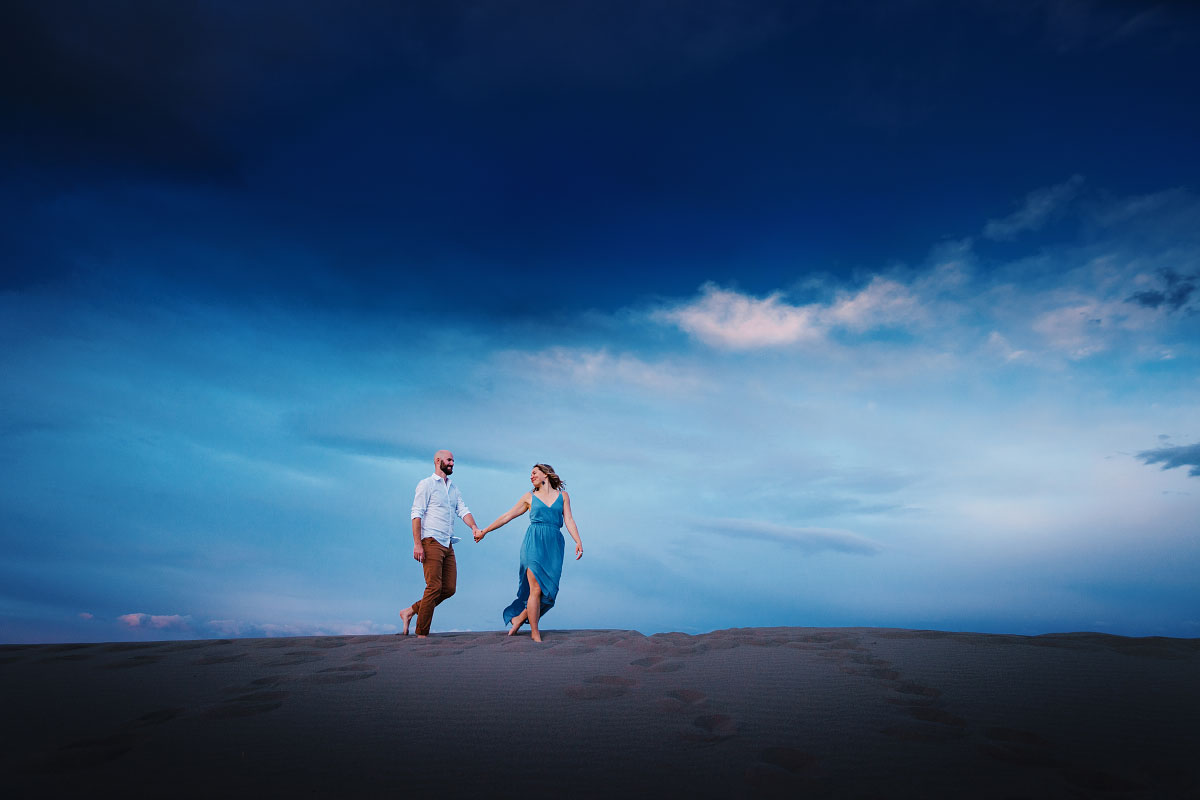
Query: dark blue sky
{"type": "Point", "coordinates": [898, 297]}
{"type": "Point", "coordinates": [628, 147]}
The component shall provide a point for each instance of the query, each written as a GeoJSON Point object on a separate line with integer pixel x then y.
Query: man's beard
{"type": "Point", "coordinates": [448, 469]}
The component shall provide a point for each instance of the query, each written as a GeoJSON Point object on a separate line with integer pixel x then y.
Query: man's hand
{"type": "Point", "coordinates": [479, 535]}
{"type": "Point", "coordinates": [419, 552]}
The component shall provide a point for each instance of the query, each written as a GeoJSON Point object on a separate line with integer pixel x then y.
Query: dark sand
{"type": "Point", "coordinates": [795, 712]}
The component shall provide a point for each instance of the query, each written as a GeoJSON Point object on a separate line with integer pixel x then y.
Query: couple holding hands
{"type": "Point", "coordinates": [438, 501]}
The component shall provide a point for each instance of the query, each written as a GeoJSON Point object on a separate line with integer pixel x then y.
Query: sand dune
{"type": "Point", "coordinates": [853, 712]}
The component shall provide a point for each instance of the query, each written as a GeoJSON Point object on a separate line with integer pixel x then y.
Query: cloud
{"type": "Point", "coordinates": [725, 318]}
{"type": "Point", "coordinates": [1172, 457]}
{"type": "Point", "coordinates": [1174, 295]}
{"type": "Point", "coordinates": [1075, 330]}
{"type": "Point", "coordinates": [881, 302]}
{"type": "Point", "coordinates": [1040, 206]}
{"type": "Point", "coordinates": [86, 615]}
{"type": "Point", "coordinates": [159, 621]}
{"type": "Point", "coordinates": [809, 540]}
{"type": "Point", "coordinates": [729, 319]}
{"type": "Point", "coordinates": [998, 344]}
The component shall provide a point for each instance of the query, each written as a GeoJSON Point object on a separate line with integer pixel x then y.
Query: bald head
{"type": "Point", "coordinates": [443, 462]}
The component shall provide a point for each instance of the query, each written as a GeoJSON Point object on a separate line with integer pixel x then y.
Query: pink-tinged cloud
{"type": "Point", "coordinates": [159, 621]}
{"type": "Point", "coordinates": [85, 615]}
{"type": "Point", "coordinates": [728, 319]}
{"type": "Point", "coordinates": [724, 318]}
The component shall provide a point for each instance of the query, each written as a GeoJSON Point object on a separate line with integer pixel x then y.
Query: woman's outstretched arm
{"type": "Point", "coordinates": [520, 508]}
{"type": "Point", "coordinates": [569, 518]}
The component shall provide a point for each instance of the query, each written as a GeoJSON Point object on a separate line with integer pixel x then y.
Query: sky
{"type": "Point", "coordinates": [829, 314]}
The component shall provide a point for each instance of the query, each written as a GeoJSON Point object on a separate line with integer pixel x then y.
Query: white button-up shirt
{"type": "Point", "coordinates": [435, 504]}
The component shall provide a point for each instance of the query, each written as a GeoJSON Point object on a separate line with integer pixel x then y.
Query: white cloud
{"type": "Point", "coordinates": [1039, 207]}
{"type": "Point", "coordinates": [728, 319]}
{"type": "Point", "coordinates": [1000, 345]}
{"type": "Point", "coordinates": [731, 320]}
{"type": "Point", "coordinates": [1078, 331]}
{"type": "Point", "coordinates": [881, 302]}
{"type": "Point", "coordinates": [159, 621]}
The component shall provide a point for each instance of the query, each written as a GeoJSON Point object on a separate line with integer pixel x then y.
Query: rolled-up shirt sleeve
{"type": "Point", "coordinates": [420, 501]}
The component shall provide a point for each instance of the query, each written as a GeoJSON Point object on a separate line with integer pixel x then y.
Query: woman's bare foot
{"type": "Point", "coordinates": [537, 637]}
{"type": "Point", "coordinates": [406, 614]}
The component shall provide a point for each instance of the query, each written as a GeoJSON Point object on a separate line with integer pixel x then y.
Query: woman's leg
{"type": "Point", "coordinates": [533, 606]}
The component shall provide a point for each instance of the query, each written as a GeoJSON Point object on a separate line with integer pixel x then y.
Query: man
{"type": "Point", "coordinates": [436, 502]}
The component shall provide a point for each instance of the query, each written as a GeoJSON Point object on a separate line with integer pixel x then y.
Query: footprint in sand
{"type": "Point", "coordinates": [780, 768]}
{"type": "Point", "coordinates": [648, 661]}
{"type": "Point", "coordinates": [247, 705]}
{"type": "Point", "coordinates": [657, 664]}
{"type": "Point", "coordinates": [711, 728]}
{"type": "Point", "coordinates": [346, 674]}
{"type": "Point", "coordinates": [681, 700]}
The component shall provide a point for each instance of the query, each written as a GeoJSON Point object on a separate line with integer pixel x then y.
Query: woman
{"type": "Point", "coordinates": [542, 550]}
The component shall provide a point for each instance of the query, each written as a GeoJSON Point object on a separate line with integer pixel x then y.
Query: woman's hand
{"type": "Point", "coordinates": [578, 550]}
{"type": "Point", "coordinates": [479, 535]}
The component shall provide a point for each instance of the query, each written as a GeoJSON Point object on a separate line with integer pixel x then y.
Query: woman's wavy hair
{"type": "Point", "coordinates": [552, 476]}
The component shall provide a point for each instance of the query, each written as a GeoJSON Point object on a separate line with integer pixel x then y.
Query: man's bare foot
{"type": "Point", "coordinates": [406, 614]}
{"type": "Point", "coordinates": [422, 636]}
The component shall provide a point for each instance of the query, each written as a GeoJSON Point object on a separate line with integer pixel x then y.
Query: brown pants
{"type": "Point", "coordinates": [441, 579]}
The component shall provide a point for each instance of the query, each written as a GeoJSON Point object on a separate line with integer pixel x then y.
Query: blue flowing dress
{"type": "Point", "coordinates": [542, 552]}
